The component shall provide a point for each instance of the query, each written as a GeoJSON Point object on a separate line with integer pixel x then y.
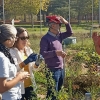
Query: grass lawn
{"type": "Point", "coordinates": [83, 28]}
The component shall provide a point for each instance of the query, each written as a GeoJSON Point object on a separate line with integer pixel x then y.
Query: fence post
{"type": "Point", "coordinates": [91, 29]}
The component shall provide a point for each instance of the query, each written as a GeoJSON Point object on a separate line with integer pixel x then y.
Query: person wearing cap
{"type": "Point", "coordinates": [52, 51]}
{"type": "Point", "coordinates": [10, 87]}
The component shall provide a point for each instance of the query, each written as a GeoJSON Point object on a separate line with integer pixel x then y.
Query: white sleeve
{"type": "Point", "coordinates": [4, 69]}
{"type": "Point", "coordinates": [14, 56]}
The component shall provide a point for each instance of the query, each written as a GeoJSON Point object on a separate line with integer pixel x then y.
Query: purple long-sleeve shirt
{"type": "Point", "coordinates": [49, 44]}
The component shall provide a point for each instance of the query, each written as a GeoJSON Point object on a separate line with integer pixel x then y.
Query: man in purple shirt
{"type": "Point", "coordinates": [52, 51]}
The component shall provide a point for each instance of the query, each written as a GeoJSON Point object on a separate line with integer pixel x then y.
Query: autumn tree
{"type": "Point", "coordinates": [23, 7]}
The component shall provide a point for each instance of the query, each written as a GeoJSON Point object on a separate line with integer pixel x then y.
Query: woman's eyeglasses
{"type": "Point", "coordinates": [24, 38]}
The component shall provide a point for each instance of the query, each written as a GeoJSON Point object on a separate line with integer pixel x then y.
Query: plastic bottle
{"type": "Point", "coordinates": [88, 96]}
{"type": "Point", "coordinates": [37, 62]}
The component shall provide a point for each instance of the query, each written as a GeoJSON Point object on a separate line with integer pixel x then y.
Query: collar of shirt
{"type": "Point", "coordinates": [53, 34]}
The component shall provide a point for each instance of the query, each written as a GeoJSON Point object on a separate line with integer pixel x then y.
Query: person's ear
{"type": "Point", "coordinates": [9, 41]}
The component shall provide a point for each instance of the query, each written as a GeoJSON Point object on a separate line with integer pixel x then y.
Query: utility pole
{"type": "Point", "coordinates": [40, 17]}
{"type": "Point", "coordinates": [99, 13]}
{"type": "Point", "coordinates": [92, 13]}
{"type": "Point", "coordinates": [91, 30]}
{"type": "Point", "coordinates": [2, 11]}
{"type": "Point", "coordinates": [69, 11]}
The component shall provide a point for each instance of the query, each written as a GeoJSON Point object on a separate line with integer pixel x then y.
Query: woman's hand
{"type": "Point", "coordinates": [23, 75]}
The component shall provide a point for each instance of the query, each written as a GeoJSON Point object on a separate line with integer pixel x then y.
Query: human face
{"type": "Point", "coordinates": [22, 40]}
{"type": "Point", "coordinates": [10, 42]}
{"type": "Point", "coordinates": [56, 27]}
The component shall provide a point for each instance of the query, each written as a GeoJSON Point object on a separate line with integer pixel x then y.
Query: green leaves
{"type": "Point", "coordinates": [20, 7]}
{"type": "Point", "coordinates": [89, 57]}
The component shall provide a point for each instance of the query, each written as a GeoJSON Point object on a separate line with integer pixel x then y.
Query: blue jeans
{"type": "Point", "coordinates": [58, 76]}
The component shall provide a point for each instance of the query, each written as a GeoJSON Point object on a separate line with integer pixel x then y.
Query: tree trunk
{"type": "Point", "coordinates": [44, 19]}
{"type": "Point", "coordinates": [24, 17]}
{"type": "Point", "coordinates": [78, 17]}
{"type": "Point", "coordinates": [32, 20]}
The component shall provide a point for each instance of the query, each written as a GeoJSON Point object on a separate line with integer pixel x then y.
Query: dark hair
{"type": "Point", "coordinates": [20, 30]}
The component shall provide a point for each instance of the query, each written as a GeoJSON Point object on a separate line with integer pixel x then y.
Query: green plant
{"type": "Point", "coordinates": [81, 52]}
{"type": "Point", "coordinates": [63, 95]}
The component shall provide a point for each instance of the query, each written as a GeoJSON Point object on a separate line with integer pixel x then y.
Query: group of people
{"type": "Point", "coordinates": [17, 59]}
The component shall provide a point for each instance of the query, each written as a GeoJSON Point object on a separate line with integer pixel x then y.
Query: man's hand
{"type": "Point", "coordinates": [63, 20]}
{"type": "Point", "coordinates": [61, 53]}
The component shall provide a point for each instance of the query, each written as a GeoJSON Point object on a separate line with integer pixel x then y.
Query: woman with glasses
{"type": "Point", "coordinates": [9, 78]}
{"type": "Point", "coordinates": [19, 52]}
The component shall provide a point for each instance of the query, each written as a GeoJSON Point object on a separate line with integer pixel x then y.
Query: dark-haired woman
{"type": "Point", "coordinates": [20, 51]}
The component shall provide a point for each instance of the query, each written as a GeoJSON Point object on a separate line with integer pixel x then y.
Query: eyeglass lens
{"type": "Point", "coordinates": [24, 38]}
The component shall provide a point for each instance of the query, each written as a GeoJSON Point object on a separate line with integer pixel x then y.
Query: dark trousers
{"type": "Point", "coordinates": [58, 76]}
{"type": "Point", "coordinates": [29, 94]}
